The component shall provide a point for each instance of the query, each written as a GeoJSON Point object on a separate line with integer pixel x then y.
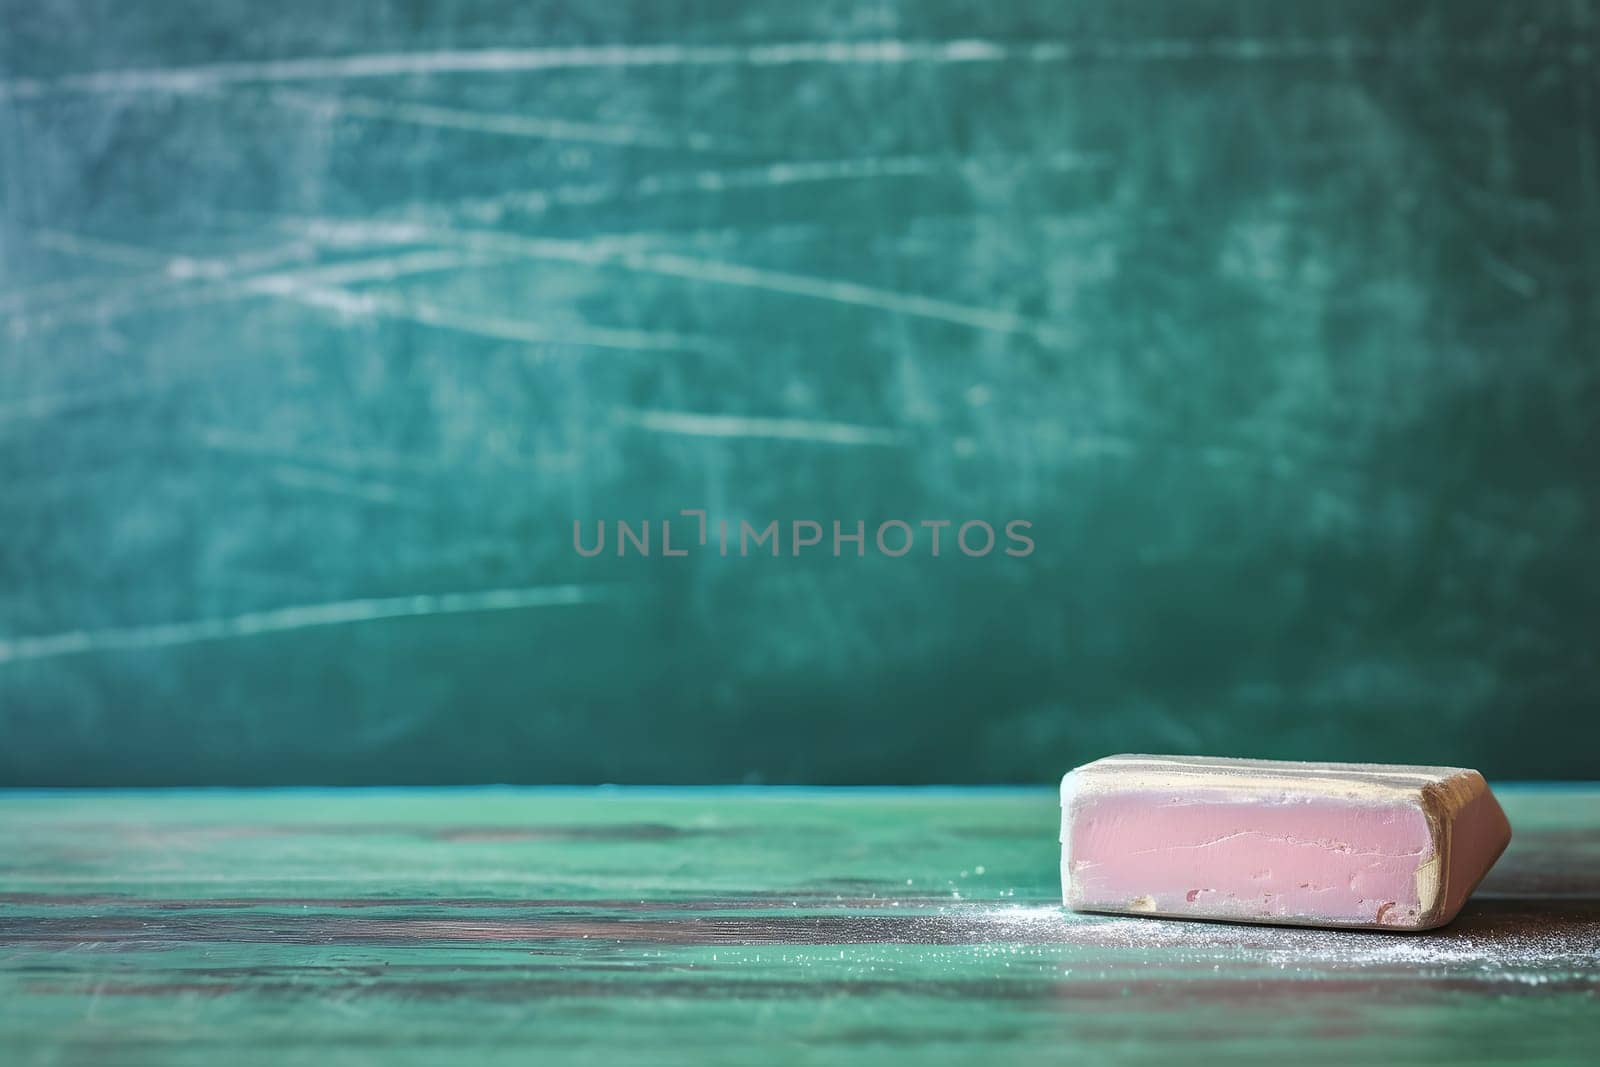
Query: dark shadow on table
{"type": "Point", "coordinates": [1548, 881]}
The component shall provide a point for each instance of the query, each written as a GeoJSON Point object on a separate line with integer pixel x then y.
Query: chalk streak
{"type": "Point", "coordinates": [315, 481]}
{"type": "Point", "coordinates": [1518, 281]}
{"type": "Point", "coordinates": [722, 272]}
{"type": "Point", "coordinates": [179, 281]}
{"type": "Point", "coordinates": [521, 60]}
{"type": "Point", "coordinates": [888, 52]}
{"type": "Point", "coordinates": [299, 286]}
{"type": "Point", "coordinates": [771, 176]}
{"type": "Point", "coordinates": [695, 424]}
{"type": "Point", "coordinates": [320, 287]}
{"type": "Point", "coordinates": [377, 269]}
{"type": "Point", "coordinates": [842, 292]}
{"type": "Point", "coordinates": [502, 125]}
{"type": "Point", "coordinates": [298, 617]}
{"type": "Point", "coordinates": [535, 333]}
{"type": "Point", "coordinates": [363, 233]}
{"type": "Point", "coordinates": [476, 324]}
{"type": "Point", "coordinates": [223, 440]}
{"type": "Point", "coordinates": [177, 267]}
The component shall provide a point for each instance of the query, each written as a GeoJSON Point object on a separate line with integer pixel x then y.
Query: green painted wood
{"type": "Point", "coordinates": [724, 926]}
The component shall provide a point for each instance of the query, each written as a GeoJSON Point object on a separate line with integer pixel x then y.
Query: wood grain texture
{"type": "Point", "coordinates": [724, 925]}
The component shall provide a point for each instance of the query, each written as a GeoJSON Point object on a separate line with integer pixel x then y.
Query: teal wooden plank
{"type": "Point", "coordinates": [713, 925]}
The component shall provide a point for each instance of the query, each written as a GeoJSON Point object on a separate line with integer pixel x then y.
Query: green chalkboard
{"type": "Point", "coordinates": [321, 325]}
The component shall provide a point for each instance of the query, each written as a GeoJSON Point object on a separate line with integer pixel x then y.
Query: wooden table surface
{"type": "Point", "coordinates": [725, 926]}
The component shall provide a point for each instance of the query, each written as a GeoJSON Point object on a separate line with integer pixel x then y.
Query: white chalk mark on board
{"type": "Point", "coordinates": [227, 440]}
{"type": "Point", "coordinates": [515, 60]}
{"type": "Point", "coordinates": [302, 286]}
{"type": "Point", "coordinates": [890, 52]}
{"type": "Point", "coordinates": [377, 304]}
{"type": "Point", "coordinates": [309, 479]}
{"type": "Point", "coordinates": [174, 266]}
{"type": "Point", "coordinates": [1518, 281]}
{"type": "Point", "coordinates": [378, 269]}
{"type": "Point", "coordinates": [299, 617]}
{"type": "Point", "coordinates": [211, 281]}
{"type": "Point", "coordinates": [840, 291]}
{"type": "Point", "coordinates": [164, 271]}
{"type": "Point", "coordinates": [575, 334]}
{"type": "Point", "coordinates": [696, 424]}
{"type": "Point", "coordinates": [501, 125]}
{"type": "Point", "coordinates": [770, 176]}
{"type": "Point", "coordinates": [721, 272]}
{"type": "Point", "coordinates": [320, 287]}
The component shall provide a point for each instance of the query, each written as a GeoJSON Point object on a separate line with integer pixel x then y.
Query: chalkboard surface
{"type": "Point", "coordinates": [321, 325]}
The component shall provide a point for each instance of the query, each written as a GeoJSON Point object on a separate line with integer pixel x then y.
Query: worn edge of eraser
{"type": "Point", "coordinates": [1450, 801]}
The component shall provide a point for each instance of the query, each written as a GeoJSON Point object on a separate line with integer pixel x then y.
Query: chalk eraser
{"type": "Point", "coordinates": [1267, 841]}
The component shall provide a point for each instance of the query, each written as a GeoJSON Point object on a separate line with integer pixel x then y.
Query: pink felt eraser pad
{"type": "Point", "coordinates": [1310, 844]}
